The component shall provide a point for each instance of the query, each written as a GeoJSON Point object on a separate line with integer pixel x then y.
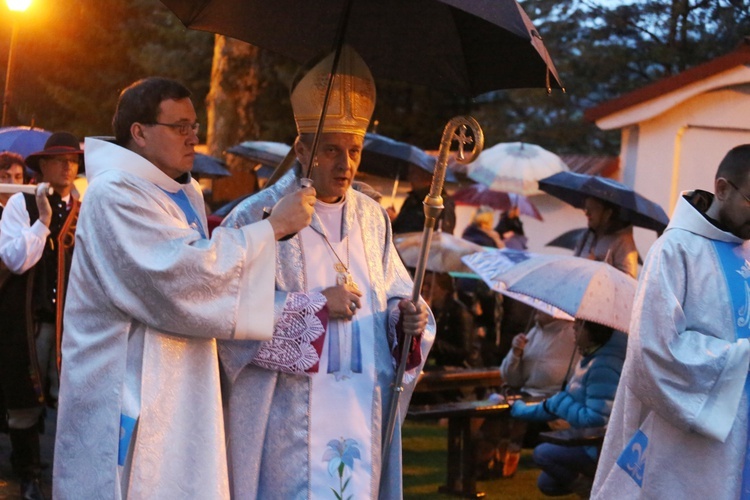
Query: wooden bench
{"type": "Point", "coordinates": [587, 436]}
{"type": "Point", "coordinates": [461, 473]}
{"type": "Point", "coordinates": [461, 477]}
{"type": "Point", "coordinates": [441, 380]}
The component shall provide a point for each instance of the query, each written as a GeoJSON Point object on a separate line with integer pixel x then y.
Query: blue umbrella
{"type": "Point", "coordinates": [574, 188]}
{"type": "Point", "coordinates": [23, 140]}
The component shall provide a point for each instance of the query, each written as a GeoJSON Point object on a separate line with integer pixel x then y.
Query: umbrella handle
{"type": "Point", "coordinates": [304, 182]}
{"type": "Point", "coordinates": [455, 130]}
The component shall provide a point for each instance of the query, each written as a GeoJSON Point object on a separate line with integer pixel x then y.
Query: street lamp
{"type": "Point", "coordinates": [15, 6]}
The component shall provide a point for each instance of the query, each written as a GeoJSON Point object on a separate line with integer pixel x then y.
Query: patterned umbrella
{"type": "Point", "coordinates": [515, 167]}
{"type": "Point", "coordinates": [477, 195]}
{"type": "Point", "coordinates": [585, 289]}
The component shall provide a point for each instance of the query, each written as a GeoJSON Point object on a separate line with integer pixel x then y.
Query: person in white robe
{"type": "Point", "coordinates": [679, 426]}
{"type": "Point", "coordinates": [307, 410]}
{"type": "Point", "coordinates": [140, 411]}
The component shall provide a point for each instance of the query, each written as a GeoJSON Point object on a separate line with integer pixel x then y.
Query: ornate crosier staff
{"type": "Point", "coordinates": [455, 130]}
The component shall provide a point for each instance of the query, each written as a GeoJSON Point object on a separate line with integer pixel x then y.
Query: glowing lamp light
{"type": "Point", "coordinates": [18, 5]}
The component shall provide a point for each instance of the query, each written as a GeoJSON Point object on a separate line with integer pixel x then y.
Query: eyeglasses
{"type": "Point", "coordinates": [182, 128]}
{"type": "Point", "coordinates": [747, 198]}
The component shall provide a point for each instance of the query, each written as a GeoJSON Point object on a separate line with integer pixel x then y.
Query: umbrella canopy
{"type": "Point", "coordinates": [478, 195]}
{"type": "Point", "coordinates": [568, 239]}
{"type": "Point", "coordinates": [23, 140]}
{"type": "Point", "coordinates": [468, 47]}
{"type": "Point", "coordinates": [267, 154]}
{"type": "Point", "coordinates": [488, 270]}
{"type": "Point", "coordinates": [515, 167]}
{"type": "Point", "coordinates": [386, 157]}
{"type": "Point", "coordinates": [208, 166]}
{"type": "Point", "coordinates": [574, 188]}
{"type": "Point", "coordinates": [585, 289]}
{"type": "Point", "coordinates": [445, 253]}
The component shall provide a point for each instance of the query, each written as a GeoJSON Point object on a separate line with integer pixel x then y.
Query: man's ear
{"type": "Point", "coordinates": [137, 133]}
{"type": "Point", "coordinates": [721, 188]}
{"type": "Point", "coordinates": [300, 150]}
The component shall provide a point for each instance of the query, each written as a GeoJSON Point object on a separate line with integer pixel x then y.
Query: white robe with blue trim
{"type": "Point", "coordinates": [684, 376]}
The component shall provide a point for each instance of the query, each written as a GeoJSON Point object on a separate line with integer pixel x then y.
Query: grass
{"type": "Point", "coordinates": [425, 448]}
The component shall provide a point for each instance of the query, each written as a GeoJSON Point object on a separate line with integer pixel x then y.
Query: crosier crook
{"type": "Point", "coordinates": [455, 130]}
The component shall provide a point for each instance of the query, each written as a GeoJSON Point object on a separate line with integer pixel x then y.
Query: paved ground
{"type": "Point", "coordinates": [9, 487]}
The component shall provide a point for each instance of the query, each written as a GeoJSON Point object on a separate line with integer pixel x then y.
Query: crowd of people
{"type": "Point", "coordinates": [258, 361]}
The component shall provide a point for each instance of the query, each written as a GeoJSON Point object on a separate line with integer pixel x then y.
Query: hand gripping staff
{"type": "Point", "coordinates": [455, 130]}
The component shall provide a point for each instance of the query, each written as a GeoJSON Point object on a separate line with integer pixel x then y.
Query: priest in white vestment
{"type": "Point", "coordinates": [140, 411]}
{"type": "Point", "coordinates": [679, 426]}
{"type": "Point", "coordinates": [307, 410]}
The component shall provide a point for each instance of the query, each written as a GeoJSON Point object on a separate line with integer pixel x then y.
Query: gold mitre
{"type": "Point", "coordinates": [352, 96]}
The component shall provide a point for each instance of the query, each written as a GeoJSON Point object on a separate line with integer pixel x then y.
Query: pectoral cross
{"type": "Point", "coordinates": [344, 277]}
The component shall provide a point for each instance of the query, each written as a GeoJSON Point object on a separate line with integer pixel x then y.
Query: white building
{"type": "Point", "coordinates": [676, 130]}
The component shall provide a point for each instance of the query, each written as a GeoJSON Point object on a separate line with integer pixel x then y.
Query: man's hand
{"type": "Point", "coordinates": [342, 301]}
{"type": "Point", "coordinates": [519, 344]}
{"type": "Point", "coordinates": [293, 212]}
{"type": "Point", "coordinates": [414, 317]}
{"type": "Point", "coordinates": [42, 203]}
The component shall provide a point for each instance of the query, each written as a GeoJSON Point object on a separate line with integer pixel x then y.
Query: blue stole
{"type": "Point", "coordinates": [181, 199]}
{"type": "Point", "coordinates": [737, 272]}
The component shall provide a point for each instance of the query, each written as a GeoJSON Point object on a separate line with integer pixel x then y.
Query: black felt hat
{"type": "Point", "coordinates": [59, 143]}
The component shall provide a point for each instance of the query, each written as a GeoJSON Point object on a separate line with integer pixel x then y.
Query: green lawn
{"type": "Point", "coordinates": [424, 468]}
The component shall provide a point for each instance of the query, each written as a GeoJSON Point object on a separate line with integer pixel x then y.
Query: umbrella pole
{"type": "Point", "coordinates": [433, 207]}
{"type": "Point", "coordinates": [395, 189]}
{"type": "Point", "coordinates": [285, 165]}
{"type": "Point", "coordinates": [339, 44]}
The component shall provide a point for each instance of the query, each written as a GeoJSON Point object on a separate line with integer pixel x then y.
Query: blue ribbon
{"type": "Point", "coordinates": [181, 199]}
{"type": "Point", "coordinates": [732, 263]}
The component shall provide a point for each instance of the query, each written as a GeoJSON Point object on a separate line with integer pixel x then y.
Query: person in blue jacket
{"type": "Point", "coordinates": [586, 402]}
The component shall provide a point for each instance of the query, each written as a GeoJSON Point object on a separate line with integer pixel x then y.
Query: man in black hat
{"type": "Point", "coordinates": [36, 244]}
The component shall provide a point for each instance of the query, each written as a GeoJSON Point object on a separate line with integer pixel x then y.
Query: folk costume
{"type": "Point", "coordinates": [679, 424]}
{"type": "Point", "coordinates": [307, 410]}
{"type": "Point", "coordinates": [140, 408]}
{"type": "Point", "coordinates": [31, 307]}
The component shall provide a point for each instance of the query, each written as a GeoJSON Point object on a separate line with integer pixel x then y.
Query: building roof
{"type": "Point", "coordinates": [604, 166]}
{"type": "Point", "coordinates": [738, 57]}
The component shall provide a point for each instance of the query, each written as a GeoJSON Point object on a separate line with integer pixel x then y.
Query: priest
{"type": "Point", "coordinates": [307, 410]}
{"type": "Point", "coordinates": [140, 411]}
{"type": "Point", "coordinates": [679, 424]}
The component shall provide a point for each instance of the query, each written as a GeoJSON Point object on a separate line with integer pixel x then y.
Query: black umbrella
{"type": "Point", "coordinates": [467, 47]}
{"type": "Point", "coordinates": [208, 166]}
{"type": "Point", "coordinates": [574, 188]}
{"type": "Point", "coordinates": [267, 154]}
{"type": "Point", "coordinates": [568, 239]}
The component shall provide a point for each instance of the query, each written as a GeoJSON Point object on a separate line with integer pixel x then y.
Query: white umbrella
{"type": "Point", "coordinates": [585, 289]}
{"type": "Point", "coordinates": [445, 252]}
{"type": "Point", "coordinates": [515, 167]}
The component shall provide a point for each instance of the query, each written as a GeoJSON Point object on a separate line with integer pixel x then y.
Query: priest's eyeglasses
{"type": "Point", "coordinates": [182, 128]}
{"type": "Point", "coordinates": [747, 198]}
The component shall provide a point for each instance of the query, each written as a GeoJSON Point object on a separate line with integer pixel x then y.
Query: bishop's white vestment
{"type": "Point", "coordinates": [317, 429]}
{"type": "Point", "coordinates": [140, 411]}
{"type": "Point", "coordinates": [679, 424]}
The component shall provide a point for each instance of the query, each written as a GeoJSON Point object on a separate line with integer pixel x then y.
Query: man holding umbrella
{"type": "Point", "coordinates": [680, 419]}
{"type": "Point", "coordinates": [307, 409]}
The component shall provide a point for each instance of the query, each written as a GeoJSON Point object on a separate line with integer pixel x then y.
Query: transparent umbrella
{"type": "Point", "coordinates": [515, 167]}
{"type": "Point", "coordinates": [445, 254]}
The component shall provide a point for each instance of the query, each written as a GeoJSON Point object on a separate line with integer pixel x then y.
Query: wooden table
{"type": "Point", "coordinates": [461, 474]}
